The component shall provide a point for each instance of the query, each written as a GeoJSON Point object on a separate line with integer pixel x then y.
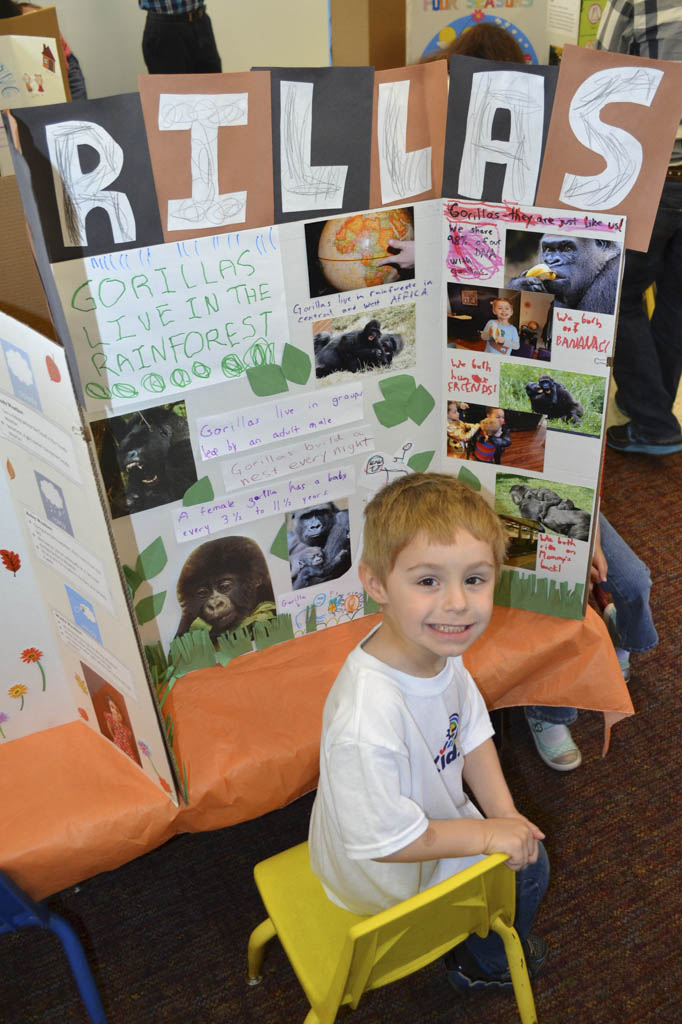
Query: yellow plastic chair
{"type": "Point", "coordinates": [337, 955]}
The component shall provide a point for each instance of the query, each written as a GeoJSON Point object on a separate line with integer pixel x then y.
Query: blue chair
{"type": "Point", "coordinates": [17, 910]}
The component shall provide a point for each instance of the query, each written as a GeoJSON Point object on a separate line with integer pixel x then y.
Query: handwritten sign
{"type": "Point", "coordinates": [583, 332]}
{"type": "Point", "coordinates": [474, 251]}
{"type": "Point", "coordinates": [471, 376]}
{"type": "Point", "coordinates": [38, 435]}
{"type": "Point", "coordinates": [533, 217]}
{"type": "Point", "coordinates": [241, 430]}
{"type": "Point", "coordinates": [273, 499]}
{"type": "Point", "coordinates": [556, 553]}
{"type": "Point", "coordinates": [56, 549]}
{"type": "Point", "coordinates": [174, 317]}
{"type": "Point", "coordinates": [316, 452]}
{"type": "Point", "coordinates": [94, 655]}
{"type": "Point", "coordinates": [398, 293]}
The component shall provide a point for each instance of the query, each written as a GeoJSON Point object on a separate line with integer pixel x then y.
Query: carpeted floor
{"type": "Point", "coordinates": [167, 933]}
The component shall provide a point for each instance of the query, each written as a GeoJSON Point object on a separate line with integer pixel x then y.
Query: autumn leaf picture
{"type": "Point", "coordinates": [10, 560]}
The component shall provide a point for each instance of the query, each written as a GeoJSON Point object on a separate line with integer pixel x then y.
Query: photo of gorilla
{"type": "Point", "coordinates": [355, 350]}
{"type": "Point", "coordinates": [581, 273]}
{"type": "Point", "coordinates": [565, 401]}
{"type": "Point", "coordinates": [551, 511]}
{"type": "Point", "coordinates": [325, 530]}
{"type": "Point", "coordinates": [382, 341]}
{"type": "Point", "coordinates": [224, 584]}
{"type": "Point", "coordinates": [145, 457]}
{"type": "Point", "coordinates": [551, 399]}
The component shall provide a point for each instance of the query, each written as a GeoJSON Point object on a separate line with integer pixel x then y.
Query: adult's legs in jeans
{"type": "Point", "coordinates": [531, 885]}
{"type": "Point", "coordinates": [648, 354]}
{"type": "Point", "coordinates": [629, 583]}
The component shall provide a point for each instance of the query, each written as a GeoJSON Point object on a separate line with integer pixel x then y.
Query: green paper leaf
{"type": "Point", "coordinates": [202, 490]}
{"type": "Point", "coordinates": [465, 476]}
{"type": "Point", "coordinates": [390, 414]}
{"type": "Point", "coordinates": [267, 380]}
{"type": "Point", "coordinates": [296, 365]}
{"type": "Point", "coordinates": [152, 560]}
{"type": "Point", "coordinates": [420, 461]}
{"type": "Point", "coordinates": [398, 388]}
{"type": "Point", "coordinates": [149, 607]}
{"type": "Point", "coordinates": [133, 579]}
{"type": "Point", "coordinates": [420, 405]}
{"type": "Point", "coordinates": [280, 546]}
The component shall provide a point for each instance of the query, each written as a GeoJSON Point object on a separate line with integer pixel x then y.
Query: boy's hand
{"type": "Point", "coordinates": [516, 836]}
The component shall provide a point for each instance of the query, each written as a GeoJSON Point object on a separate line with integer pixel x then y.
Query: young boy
{"type": "Point", "coordinates": [404, 724]}
{"type": "Point", "coordinates": [500, 334]}
{"type": "Point", "coordinates": [491, 438]}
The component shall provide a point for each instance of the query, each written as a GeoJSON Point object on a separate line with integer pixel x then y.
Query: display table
{"type": "Point", "coordinates": [249, 735]}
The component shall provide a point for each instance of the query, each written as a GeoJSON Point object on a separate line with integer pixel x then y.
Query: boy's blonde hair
{"type": "Point", "coordinates": [435, 504]}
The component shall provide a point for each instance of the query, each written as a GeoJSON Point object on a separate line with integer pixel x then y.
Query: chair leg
{"type": "Point", "coordinates": [79, 966]}
{"type": "Point", "coordinates": [518, 970]}
{"type": "Point", "coordinates": [258, 940]}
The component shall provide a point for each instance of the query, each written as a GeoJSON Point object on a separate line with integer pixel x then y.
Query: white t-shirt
{"type": "Point", "coordinates": [390, 759]}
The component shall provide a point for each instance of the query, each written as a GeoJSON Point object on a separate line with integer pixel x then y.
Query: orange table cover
{"type": "Point", "coordinates": [249, 736]}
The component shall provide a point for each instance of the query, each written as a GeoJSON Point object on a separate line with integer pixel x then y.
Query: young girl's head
{"type": "Point", "coordinates": [434, 504]}
{"type": "Point", "coordinates": [453, 411]}
{"type": "Point", "coordinates": [114, 709]}
{"type": "Point", "coordinates": [502, 309]}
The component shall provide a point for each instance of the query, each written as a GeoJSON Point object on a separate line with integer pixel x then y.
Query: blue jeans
{"type": "Point", "coordinates": [629, 583]}
{"type": "Point", "coordinates": [648, 354]}
{"type": "Point", "coordinates": [531, 886]}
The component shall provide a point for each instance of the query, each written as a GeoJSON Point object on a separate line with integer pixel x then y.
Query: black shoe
{"type": "Point", "coordinates": [625, 438]}
{"type": "Point", "coordinates": [466, 975]}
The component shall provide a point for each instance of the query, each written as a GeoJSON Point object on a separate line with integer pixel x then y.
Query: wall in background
{"type": "Point", "coordinates": [108, 43]}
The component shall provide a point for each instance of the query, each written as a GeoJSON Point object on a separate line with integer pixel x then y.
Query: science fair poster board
{"type": "Point", "coordinates": [69, 647]}
{"type": "Point", "coordinates": [32, 67]}
{"type": "Point", "coordinates": [249, 386]}
{"type": "Point", "coordinates": [431, 26]}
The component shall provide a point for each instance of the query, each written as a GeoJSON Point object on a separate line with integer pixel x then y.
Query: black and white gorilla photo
{"type": "Point", "coordinates": [530, 506]}
{"type": "Point", "coordinates": [379, 341]}
{"type": "Point", "coordinates": [319, 544]}
{"type": "Point", "coordinates": [581, 273]}
{"type": "Point", "coordinates": [145, 457]}
{"type": "Point", "coordinates": [224, 584]}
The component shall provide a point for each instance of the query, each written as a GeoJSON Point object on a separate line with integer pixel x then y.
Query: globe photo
{"type": "Point", "coordinates": [345, 254]}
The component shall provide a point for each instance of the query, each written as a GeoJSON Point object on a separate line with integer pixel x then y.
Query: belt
{"type": "Point", "coordinates": [194, 15]}
{"type": "Point", "coordinates": [674, 173]}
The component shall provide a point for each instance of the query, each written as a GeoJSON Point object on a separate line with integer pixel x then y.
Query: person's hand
{"type": "Point", "coordinates": [599, 569]}
{"type": "Point", "coordinates": [516, 836]}
{"type": "Point", "coordinates": [403, 258]}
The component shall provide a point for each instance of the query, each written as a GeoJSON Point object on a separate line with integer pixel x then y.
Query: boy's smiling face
{"type": "Point", "coordinates": [503, 310]}
{"type": "Point", "coordinates": [436, 600]}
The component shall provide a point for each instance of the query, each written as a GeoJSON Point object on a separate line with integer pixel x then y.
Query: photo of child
{"type": "Point", "coordinates": [500, 334]}
{"type": "Point", "coordinates": [119, 733]}
{"type": "Point", "coordinates": [458, 432]}
{"type": "Point", "coordinates": [492, 437]}
{"type": "Point", "coordinates": [111, 712]}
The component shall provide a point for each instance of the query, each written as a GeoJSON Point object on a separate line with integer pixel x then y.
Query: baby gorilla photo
{"type": "Point", "coordinates": [355, 350]}
{"type": "Point", "coordinates": [224, 584]}
{"type": "Point", "coordinates": [551, 399]}
{"type": "Point", "coordinates": [319, 545]}
{"type": "Point", "coordinates": [552, 511]}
